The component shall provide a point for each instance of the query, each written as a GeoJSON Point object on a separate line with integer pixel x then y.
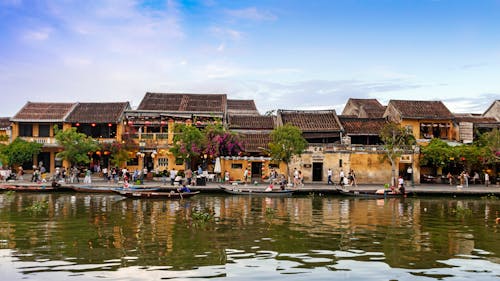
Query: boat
{"type": "Point", "coordinates": [380, 193]}
{"type": "Point", "coordinates": [248, 190]}
{"type": "Point", "coordinates": [109, 189]}
{"type": "Point", "coordinates": [30, 187]}
{"type": "Point", "coordinates": [156, 194]}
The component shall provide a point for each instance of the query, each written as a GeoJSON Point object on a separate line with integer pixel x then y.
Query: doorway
{"type": "Point", "coordinates": [257, 171]}
{"type": "Point", "coordinates": [317, 172]}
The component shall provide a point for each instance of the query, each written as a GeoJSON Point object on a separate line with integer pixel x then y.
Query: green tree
{"type": "Point", "coordinates": [188, 142]}
{"type": "Point", "coordinates": [76, 146]}
{"type": "Point", "coordinates": [437, 154]}
{"type": "Point", "coordinates": [490, 141]}
{"type": "Point", "coordinates": [20, 151]}
{"type": "Point", "coordinates": [287, 141]}
{"type": "Point", "coordinates": [397, 141]}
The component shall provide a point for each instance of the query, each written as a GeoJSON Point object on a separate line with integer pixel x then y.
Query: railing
{"type": "Point", "coordinates": [315, 148]}
{"type": "Point", "coordinates": [151, 138]}
{"type": "Point", "coordinates": [41, 140]}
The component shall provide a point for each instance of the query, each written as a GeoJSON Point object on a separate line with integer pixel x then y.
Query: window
{"type": "Point", "coordinates": [236, 166]}
{"type": "Point", "coordinates": [133, 162]}
{"type": "Point", "coordinates": [163, 161]}
{"type": "Point", "coordinates": [25, 130]}
{"type": "Point", "coordinates": [44, 130]}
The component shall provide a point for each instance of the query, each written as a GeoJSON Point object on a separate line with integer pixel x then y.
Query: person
{"type": "Point", "coordinates": [301, 179]}
{"type": "Point", "coordinates": [462, 178]}
{"type": "Point", "coordinates": [329, 173]}
{"type": "Point", "coordinates": [87, 178]}
{"type": "Point", "coordinates": [341, 177]}
{"type": "Point", "coordinates": [20, 173]}
{"type": "Point", "coordinates": [450, 178]}
{"type": "Point", "coordinates": [401, 185]}
{"type": "Point", "coordinates": [486, 179]}
{"type": "Point", "coordinates": [466, 178]}
{"type": "Point", "coordinates": [184, 188]}
{"type": "Point", "coordinates": [269, 187]}
{"type": "Point", "coordinates": [295, 177]}
{"type": "Point", "coordinates": [245, 175]}
{"type": "Point", "coordinates": [353, 176]}
{"type": "Point", "coordinates": [173, 174]}
{"type": "Point", "coordinates": [475, 178]}
{"type": "Point", "coordinates": [200, 170]}
{"type": "Point", "coordinates": [226, 176]}
{"type": "Point", "coordinates": [189, 176]}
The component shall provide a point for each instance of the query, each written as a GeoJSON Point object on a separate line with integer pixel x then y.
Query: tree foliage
{"type": "Point", "coordinates": [220, 141]}
{"type": "Point", "coordinates": [76, 146]}
{"type": "Point", "coordinates": [287, 141]}
{"type": "Point", "coordinates": [437, 153]}
{"type": "Point", "coordinates": [20, 151]}
{"type": "Point", "coordinates": [397, 141]}
{"type": "Point", "coordinates": [188, 141]}
{"type": "Point", "coordinates": [490, 141]}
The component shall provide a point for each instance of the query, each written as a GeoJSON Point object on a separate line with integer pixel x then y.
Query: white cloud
{"type": "Point", "coordinates": [226, 33]}
{"type": "Point", "coordinates": [40, 34]}
{"type": "Point", "coordinates": [251, 13]}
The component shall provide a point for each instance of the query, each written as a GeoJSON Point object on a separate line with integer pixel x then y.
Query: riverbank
{"type": "Point", "coordinates": [316, 188]}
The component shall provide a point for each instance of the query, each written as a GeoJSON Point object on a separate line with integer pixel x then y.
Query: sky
{"type": "Point", "coordinates": [284, 54]}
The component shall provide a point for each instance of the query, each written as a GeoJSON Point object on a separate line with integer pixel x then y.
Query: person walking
{"type": "Point", "coordinates": [330, 174]}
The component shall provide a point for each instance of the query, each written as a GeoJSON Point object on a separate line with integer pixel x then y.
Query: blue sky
{"type": "Point", "coordinates": [284, 54]}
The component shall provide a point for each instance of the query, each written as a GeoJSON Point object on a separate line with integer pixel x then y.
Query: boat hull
{"type": "Point", "coordinates": [370, 194]}
{"type": "Point", "coordinates": [156, 195]}
{"type": "Point", "coordinates": [236, 190]}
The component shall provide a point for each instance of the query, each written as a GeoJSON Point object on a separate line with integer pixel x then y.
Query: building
{"type": "Point", "coordinates": [363, 108]}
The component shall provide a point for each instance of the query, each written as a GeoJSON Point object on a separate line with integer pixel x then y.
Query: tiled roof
{"type": "Point", "coordinates": [371, 107]}
{"type": "Point", "coordinates": [362, 126]}
{"type": "Point", "coordinates": [311, 120]}
{"type": "Point", "coordinates": [414, 109]}
{"type": "Point", "coordinates": [98, 112]}
{"type": "Point", "coordinates": [251, 122]}
{"type": "Point", "coordinates": [253, 142]}
{"type": "Point", "coordinates": [184, 102]}
{"type": "Point", "coordinates": [245, 107]}
{"type": "Point", "coordinates": [474, 118]}
{"type": "Point", "coordinates": [4, 122]}
{"type": "Point", "coordinates": [43, 112]}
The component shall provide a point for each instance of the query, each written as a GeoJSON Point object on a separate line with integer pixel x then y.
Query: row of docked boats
{"type": "Point", "coordinates": [159, 192]}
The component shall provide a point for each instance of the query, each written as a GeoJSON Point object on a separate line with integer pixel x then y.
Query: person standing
{"type": "Point", "coordinates": [173, 174]}
{"type": "Point", "coordinates": [486, 179]}
{"type": "Point", "coordinates": [20, 173]}
{"type": "Point", "coordinates": [189, 176]}
{"type": "Point", "coordinates": [245, 175]}
{"type": "Point", "coordinates": [329, 173]}
{"type": "Point", "coordinates": [341, 177]}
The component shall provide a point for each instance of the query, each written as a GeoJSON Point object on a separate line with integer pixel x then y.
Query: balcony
{"type": "Point", "coordinates": [46, 141]}
{"type": "Point", "coordinates": [152, 139]}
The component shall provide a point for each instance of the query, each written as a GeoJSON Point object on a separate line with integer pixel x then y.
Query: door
{"type": "Point", "coordinates": [256, 171]}
{"type": "Point", "coordinates": [317, 172]}
{"type": "Point", "coordinates": [44, 159]}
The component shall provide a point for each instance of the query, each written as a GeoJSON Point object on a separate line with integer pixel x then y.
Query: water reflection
{"type": "Point", "coordinates": [82, 236]}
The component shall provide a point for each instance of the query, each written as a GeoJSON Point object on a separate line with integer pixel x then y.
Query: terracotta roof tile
{"type": "Point", "coordinates": [311, 120]}
{"type": "Point", "coordinates": [4, 122]}
{"type": "Point", "coordinates": [98, 112]}
{"type": "Point", "coordinates": [251, 122]}
{"type": "Point", "coordinates": [254, 141]}
{"type": "Point", "coordinates": [371, 107]}
{"type": "Point", "coordinates": [245, 107]}
{"type": "Point", "coordinates": [44, 112]}
{"type": "Point", "coordinates": [184, 102]}
{"type": "Point", "coordinates": [474, 118]}
{"type": "Point", "coordinates": [415, 109]}
{"type": "Point", "coordinates": [362, 126]}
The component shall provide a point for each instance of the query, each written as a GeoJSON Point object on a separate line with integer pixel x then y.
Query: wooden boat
{"type": "Point", "coordinates": [30, 187]}
{"type": "Point", "coordinates": [108, 189]}
{"type": "Point", "coordinates": [370, 193]}
{"type": "Point", "coordinates": [248, 190]}
{"type": "Point", "coordinates": [156, 194]}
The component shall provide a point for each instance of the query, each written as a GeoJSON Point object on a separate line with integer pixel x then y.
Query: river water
{"type": "Point", "coordinates": [67, 236]}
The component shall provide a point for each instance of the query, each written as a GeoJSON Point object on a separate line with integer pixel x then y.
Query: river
{"type": "Point", "coordinates": [75, 236]}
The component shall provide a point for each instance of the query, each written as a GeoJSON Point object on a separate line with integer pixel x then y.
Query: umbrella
{"type": "Point", "coordinates": [217, 168]}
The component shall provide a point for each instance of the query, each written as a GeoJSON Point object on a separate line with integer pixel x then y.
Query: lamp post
{"type": "Point", "coordinates": [416, 150]}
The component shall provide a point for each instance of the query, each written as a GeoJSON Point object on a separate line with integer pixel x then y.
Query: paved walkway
{"type": "Point", "coordinates": [323, 188]}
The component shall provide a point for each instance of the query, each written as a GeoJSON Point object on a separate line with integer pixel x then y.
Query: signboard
{"type": "Point", "coordinates": [405, 158]}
